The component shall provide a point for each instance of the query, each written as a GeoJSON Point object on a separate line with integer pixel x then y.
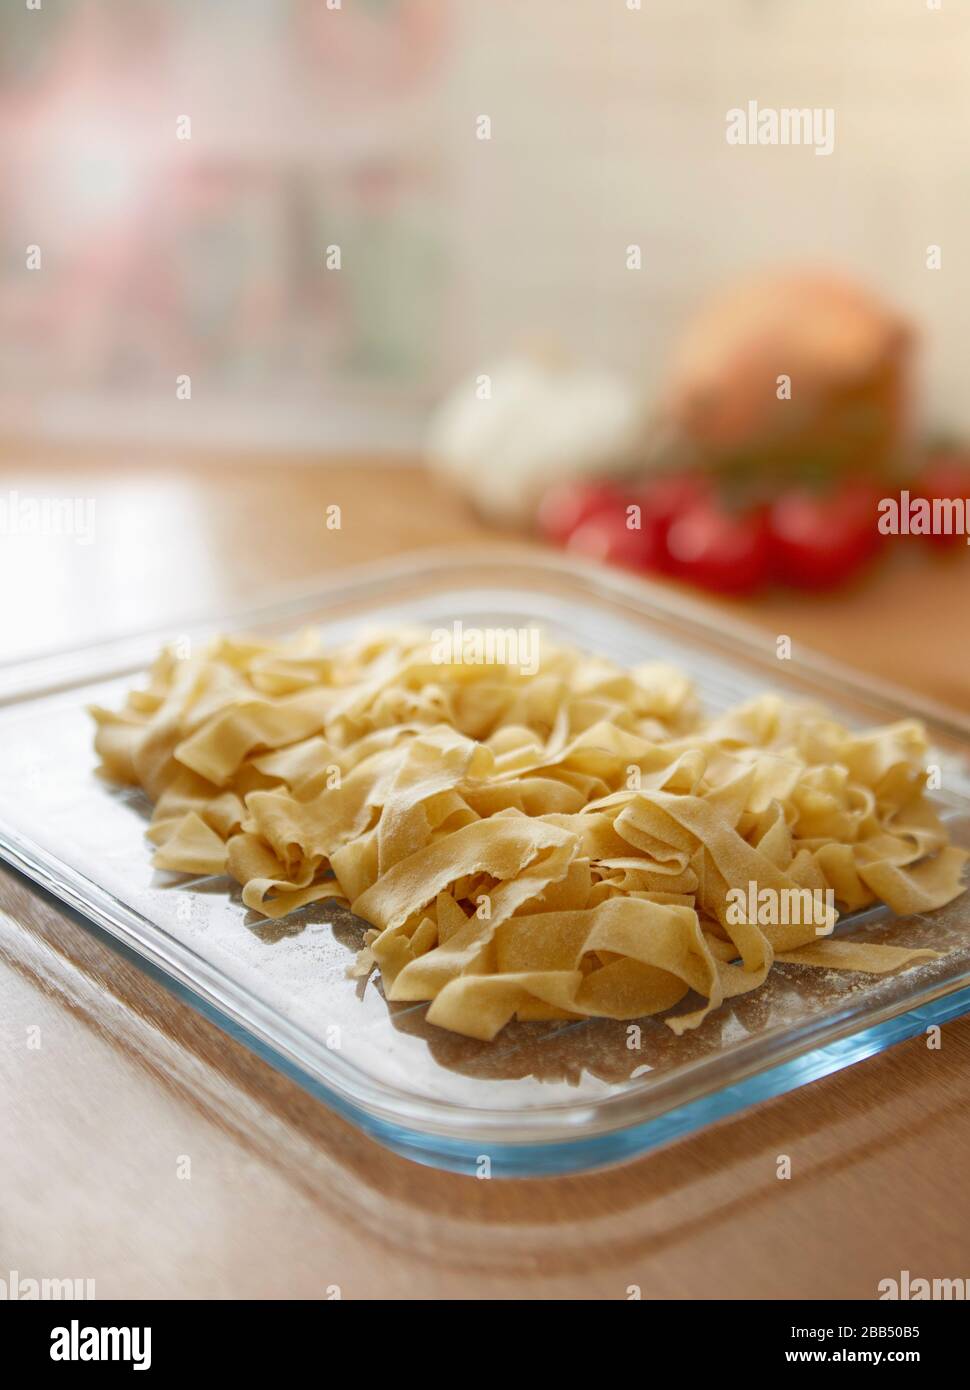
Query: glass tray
{"type": "Point", "coordinates": [542, 1098]}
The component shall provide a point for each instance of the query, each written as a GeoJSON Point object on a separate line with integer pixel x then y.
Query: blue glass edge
{"type": "Point", "coordinates": [574, 1155]}
{"type": "Point", "coordinates": [603, 1150]}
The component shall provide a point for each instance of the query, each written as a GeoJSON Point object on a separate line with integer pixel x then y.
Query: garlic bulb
{"type": "Point", "coordinates": [505, 436]}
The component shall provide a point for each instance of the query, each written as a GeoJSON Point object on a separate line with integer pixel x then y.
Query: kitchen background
{"type": "Point", "coordinates": [314, 127]}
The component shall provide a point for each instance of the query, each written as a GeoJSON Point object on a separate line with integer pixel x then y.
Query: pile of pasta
{"type": "Point", "coordinates": [557, 843]}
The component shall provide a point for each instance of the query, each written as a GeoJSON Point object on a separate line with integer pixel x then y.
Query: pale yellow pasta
{"type": "Point", "coordinates": [556, 842]}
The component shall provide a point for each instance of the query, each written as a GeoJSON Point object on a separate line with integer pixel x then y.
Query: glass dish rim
{"type": "Point", "coordinates": [378, 1102]}
{"type": "Point", "coordinates": [46, 671]}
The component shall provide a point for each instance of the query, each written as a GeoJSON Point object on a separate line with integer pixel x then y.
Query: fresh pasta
{"type": "Point", "coordinates": [561, 840]}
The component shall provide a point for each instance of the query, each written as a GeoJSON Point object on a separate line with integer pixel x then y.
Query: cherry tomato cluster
{"type": "Point", "coordinates": [680, 525]}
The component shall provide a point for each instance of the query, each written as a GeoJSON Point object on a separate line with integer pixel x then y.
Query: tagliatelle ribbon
{"type": "Point", "coordinates": [566, 841]}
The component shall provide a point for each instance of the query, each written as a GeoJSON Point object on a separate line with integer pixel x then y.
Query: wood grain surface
{"type": "Point", "coordinates": [284, 1198]}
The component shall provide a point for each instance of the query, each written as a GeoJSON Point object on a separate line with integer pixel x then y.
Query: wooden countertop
{"type": "Point", "coordinates": [285, 1199]}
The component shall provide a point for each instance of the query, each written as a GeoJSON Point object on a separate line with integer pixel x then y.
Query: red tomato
{"type": "Point", "coordinates": [609, 537]}
{"type": "Point", "coordinates": [719, 550]}
{"type": "Point", "coordinates": [567, 505]}
{"type": "Point", "coordinates": [661, 500]}
{"type": "Point", "coordinates": [818, 540]}
{"type": "Point", "coordinates": [946, 477]}
{"type": "Point", "coordinates": [668, 494]}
